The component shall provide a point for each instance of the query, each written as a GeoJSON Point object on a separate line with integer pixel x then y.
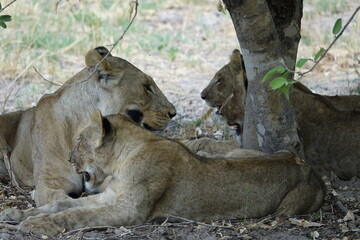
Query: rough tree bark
{"type": "Point", "coordinates": [268, 33]}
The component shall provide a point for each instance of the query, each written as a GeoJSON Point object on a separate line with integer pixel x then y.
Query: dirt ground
{"type": "Point", "coordinates": [338, 218]}
{"type": "Point", "coordinates": [182, 79]}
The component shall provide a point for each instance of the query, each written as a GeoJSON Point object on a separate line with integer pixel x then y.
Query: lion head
{"type": "Point", "coordinates": [226, 94]}
{"type": "Point", "coordinates": [136, 92]}
{"type": "Point", "coordinates": [93, 152]}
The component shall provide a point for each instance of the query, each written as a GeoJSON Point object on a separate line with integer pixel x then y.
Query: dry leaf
{"type": "Point", "coordinates": [314, 234]}
{"type": "Point", "coordinates": [304, 223]}
{"type": "Point", "coordinates": [132, 6]}
{"type": "Point", "coordinates": [343, 228]}
{"type": "Point", "coordinates": [220, 6]}
{"type": "Point", "coordinates": [334, 193]}
{"type": "Point", "coordinates": [273, 223]}
{"type": "Point", "coordinates": [57, 5]}
{"type": "Point", "coordinates": [349, 216]}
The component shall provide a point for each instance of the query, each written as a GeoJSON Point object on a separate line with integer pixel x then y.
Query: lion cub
{"type": "Point", "coordinates": [151, 176]}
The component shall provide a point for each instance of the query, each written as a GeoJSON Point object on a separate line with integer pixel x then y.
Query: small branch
{"type": "Point", "coordinates": [194, 222]}
{"type": "Point", "coordinates": [112, 48]}
{"type": "Point", "coordinates": [56, 84]}
{"type": "Point", "coordinates": [88, 229]}
{"type": "Point", "coordinates": [7, 5]}
{"type": "Point", "coordinates": [9, 169]}
{"type": "Point", "coordinates": [332, 43]}
{"type": "Point", "coordinates": [341, 207]}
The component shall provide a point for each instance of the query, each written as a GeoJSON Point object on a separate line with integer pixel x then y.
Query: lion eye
{"type": "Point", "coordinates": [218, 81]}
{"type": "Point", "coordinates": [148, 88]}
{"type": "Point", "coordinates": [103, 77]}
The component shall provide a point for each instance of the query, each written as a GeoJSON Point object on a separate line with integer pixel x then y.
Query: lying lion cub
{"type": "Point", "coordinates": [149, 176]}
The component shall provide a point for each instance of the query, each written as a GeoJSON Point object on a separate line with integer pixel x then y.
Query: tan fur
{"type": "Point", "coordinates": [45, 133]}
{"type": "Point", "coordinates": [329, 125]}
{"type": "Point", "coordinates": [155, 177]}
{"type": "Point", "coordinates": [211, 146]}
{"type": "Point", "coordinates": [227, 90]}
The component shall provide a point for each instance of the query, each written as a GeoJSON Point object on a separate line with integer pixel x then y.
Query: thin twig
{"type": "Point", "coordinates": [7, 5]}
{"type": "Point", "coordinates": [131, 228]}
{"type": "Point", "coordinates": [112, 48]}
{"type": "Point", "coordinates": [332, 43]}
{"type": "Point", "coordinates": [56, 84]}
{"type": "Point", "coordinates": [8, 167]}
{"type": "Point", "coordinates": [88, 229]}
{"type": "Point", "coordinates": [195, 222]}
{"type": "Point", "coordinates": [341, 207]}
{"type": "Point", "coordinates": [103, 228]}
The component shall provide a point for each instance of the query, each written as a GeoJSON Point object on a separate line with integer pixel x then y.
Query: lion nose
{"type": "Point", "coordinates": [203, 95]}
{"type": "Point", "coordinates": [172, 114]}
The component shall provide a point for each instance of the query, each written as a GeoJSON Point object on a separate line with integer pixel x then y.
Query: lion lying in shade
{"type": "Point", "coordinates": [148, 176]}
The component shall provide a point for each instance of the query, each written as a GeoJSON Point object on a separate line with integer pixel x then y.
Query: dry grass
{"type": "Point", "coordinates": [180, 43]}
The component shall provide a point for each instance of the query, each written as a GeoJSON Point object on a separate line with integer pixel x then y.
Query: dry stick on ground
{"type": "Point", "coordinates": [10, 171]}
{"type": "Point", "coordinates": [164, 224]}
{"type": "Point", "coordinates": [104, 228]}
{"type": "Point", "coordinates": [185, 220]}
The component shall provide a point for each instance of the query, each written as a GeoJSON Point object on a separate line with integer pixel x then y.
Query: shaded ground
{"type": "Point", "coordinates": [337, 219]}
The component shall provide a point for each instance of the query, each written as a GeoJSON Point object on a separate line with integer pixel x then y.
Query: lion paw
{"type": "Point", "coordinates": [12, 214]}
{"type": "Point", "coordinates": [40, 225]}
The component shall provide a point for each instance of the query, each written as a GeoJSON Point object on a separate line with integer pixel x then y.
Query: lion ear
{"type": "Point", "coordinates": [237, 61]}
{"type": "Point", "coordinates": [94, 56]}
{"type": "Point", "coordinates": [236, 57]}
{"type": "Point", "coordinates": [101, 128]}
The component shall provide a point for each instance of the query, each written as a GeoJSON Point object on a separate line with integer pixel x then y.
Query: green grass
{"type": "Point", "coordinates": [332, 6]}
{"type": "Point", "coordinates": [198, 42]}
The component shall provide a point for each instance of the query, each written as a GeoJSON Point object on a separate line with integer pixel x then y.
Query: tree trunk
{"type": "Point", "coordinates": [268, 35]}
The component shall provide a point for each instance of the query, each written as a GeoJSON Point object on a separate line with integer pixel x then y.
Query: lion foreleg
{"type": "Point", "coordinates": [92, 201]}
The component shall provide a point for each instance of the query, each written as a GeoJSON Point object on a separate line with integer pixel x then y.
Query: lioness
{"type": "Point", "coordinates": [149, 176]}
{"type": "Point", "coordinates": [8, 126]}
{"type": "Point", "coordinates": [45, 133]}
{"type": "Point", "coordinates": [330, 125]}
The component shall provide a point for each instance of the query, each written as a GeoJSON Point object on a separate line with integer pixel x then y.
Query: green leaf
{"type": "Point", "coordinates": [319, 54]}
{"type": "Point", "coordinates": [3, 24]}
{"type": "Point", "coordinates": [278, 83]}
{"type": "Point", "coordinates": [301, 62]}
{"type": "Point", "coordinates": [0, 6]}
{"type": "Point", "coordinates": [5, 18]}
{"type": "Point", "coordinates": [270, 73]}
{"type": "Point", "coordinates": [337, 26]}
{"type": "Point", "coordinates": [285, 88]}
